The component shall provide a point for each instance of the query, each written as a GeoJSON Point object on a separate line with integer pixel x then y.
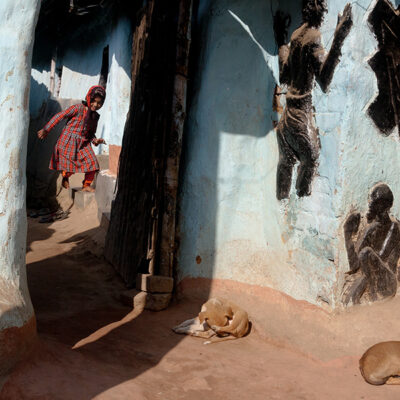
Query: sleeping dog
{"type": "Point", "coordinates": [380, 364]}
{"type": "Point", "coordinates": [219, 319]}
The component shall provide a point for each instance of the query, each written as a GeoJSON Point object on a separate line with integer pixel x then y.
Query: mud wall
{"type": "Point", "coordinates": [17, 327]}
{"type": "Point", "coordinates": [231, 224]}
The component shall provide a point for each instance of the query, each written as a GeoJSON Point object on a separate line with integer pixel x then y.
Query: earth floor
{"type": "Point", "coordinates": [91, 346]}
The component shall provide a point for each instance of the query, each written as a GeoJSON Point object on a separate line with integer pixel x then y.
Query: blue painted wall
{"type": "Point", "coordinates": [229, 213]}
{"type": "Point", "coordinates": [81, 60]}
{"type": "Point", "coordinates": [16, 30]}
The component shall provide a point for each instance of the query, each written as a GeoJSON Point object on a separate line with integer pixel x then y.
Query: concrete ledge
{"type": "Point", "coordinates": [105, 188]}
{"type": "Point", "coordinates": [154, 283]}
{"type": "Point", "coordinates": [143, 300]}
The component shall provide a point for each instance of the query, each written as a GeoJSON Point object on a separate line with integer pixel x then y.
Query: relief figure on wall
{"type": "Point", "coordinates": [373, 250]}
{"type": "Point", "coordinates": [384, 21]}
{"type": "Point", "coordinates": [301, 62]}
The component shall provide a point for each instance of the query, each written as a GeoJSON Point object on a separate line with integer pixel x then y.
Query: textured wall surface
{"type": "Point", "coordinates": [81, 61]}
{"type": "Point", "coordinates": [16, 31]}
{"type": "Point", "coordinates": [81, 69]}
{"type": "Point", "coordinates": [114, 112]}
{"type": "Point", "coordinates": [230, 217]}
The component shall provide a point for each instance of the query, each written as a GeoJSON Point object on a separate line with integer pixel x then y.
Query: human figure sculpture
{"type": "Point", "coordinates": [300, 61]}
{"type": "Point", "coordinates": [373, 250]}
{"type": "Point", "coordinates": [384, 22]}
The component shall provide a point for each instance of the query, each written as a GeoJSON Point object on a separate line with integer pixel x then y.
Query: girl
{"type": "Point", "coordinates": [73, 151]}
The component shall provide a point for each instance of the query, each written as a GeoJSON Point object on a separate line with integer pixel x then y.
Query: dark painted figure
{"type": "Point", "coordinates": [373, 250]}
{"type": "Point", "coordinates": [384, 21]}
{"type": "Point", "coordinates": [300, 62]}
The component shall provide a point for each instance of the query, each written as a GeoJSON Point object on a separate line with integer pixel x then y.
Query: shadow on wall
{"type": "Point", "coordinates": [39, 95]}
{"type": "Point", "coordinates": [80, 60]}
{"type": "Point", "coordinates": [88, 53]}
{"type": "Point", "coordinates": [92, 31]}
{"type": "Point", "coordinates": [231, 110]}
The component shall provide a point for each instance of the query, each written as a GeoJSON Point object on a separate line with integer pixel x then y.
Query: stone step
{"type": "Point", "coordinates": [81, 199]}
{"type": "Point", "coordinates": [154, 283]}
{"type": "Point", "coordinates": [143, 300]}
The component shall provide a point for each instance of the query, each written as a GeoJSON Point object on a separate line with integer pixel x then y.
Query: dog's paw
{"type": "Point", "coordinates": [207, 342]}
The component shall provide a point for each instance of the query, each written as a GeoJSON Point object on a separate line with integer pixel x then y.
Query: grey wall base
{"type": "Point", "coordinates": [105, 193]}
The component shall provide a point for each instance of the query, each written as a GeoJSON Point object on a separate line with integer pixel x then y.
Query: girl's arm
{"type": "Point", "coordinates": [68, 113]}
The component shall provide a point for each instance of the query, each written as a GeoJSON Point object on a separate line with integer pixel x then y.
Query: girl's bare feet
{"type": "Point", "coordinates": [65, 183]}
{"type": "Point", "coordinates": [88, 189]}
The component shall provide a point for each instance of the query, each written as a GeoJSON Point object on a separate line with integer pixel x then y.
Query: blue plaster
{"type": "Point", "coordinates": [81, 61]}
{"type": "Point", "coordinates": [229, 212]}
{"type": "Point", "coordinates": [18, 20]}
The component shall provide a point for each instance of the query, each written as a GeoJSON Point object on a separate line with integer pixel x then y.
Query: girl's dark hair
{"type": "Point", "coordinates": [95, 94]}
{"type": "Point", "coordinates": [313, 11]}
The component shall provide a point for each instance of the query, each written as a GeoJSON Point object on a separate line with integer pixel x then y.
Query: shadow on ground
{"type": "Point", "coordinates": [76, 299]}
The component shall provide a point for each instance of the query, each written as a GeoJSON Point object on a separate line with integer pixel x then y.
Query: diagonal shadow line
{"type": "Point", "coordinates": [269, 59]}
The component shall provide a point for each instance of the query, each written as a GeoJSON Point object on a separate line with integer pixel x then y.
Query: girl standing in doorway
{"type": "Point", "coordinates": [73, 151]}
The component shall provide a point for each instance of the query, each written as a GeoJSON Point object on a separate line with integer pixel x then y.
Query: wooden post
{"type": "Point", "coordinates": [134, 235]}
{"type": "Point", "coordinates": [173, 153]}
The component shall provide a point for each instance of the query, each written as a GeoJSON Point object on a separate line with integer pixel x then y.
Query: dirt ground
{"type": "Point", "coordinates": [91, 346]}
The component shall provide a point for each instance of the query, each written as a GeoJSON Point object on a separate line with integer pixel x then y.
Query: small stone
{"type": "Point", "coordinates": [157, 301]}
{"type": "Point", "coordinates": [154, 283]}
{"type": "Point", "coordinates": [81, 199]}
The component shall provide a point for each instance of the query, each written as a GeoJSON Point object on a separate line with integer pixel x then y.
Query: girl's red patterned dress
{"type": "Point", "coordinates": [73, 151]}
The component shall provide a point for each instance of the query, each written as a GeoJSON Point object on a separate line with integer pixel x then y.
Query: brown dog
{"type": "Point", "coordinates": [380, 364]}
{"type": "Point", "coordinates": [218, 317]}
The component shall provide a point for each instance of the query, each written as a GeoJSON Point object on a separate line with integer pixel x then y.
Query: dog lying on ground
{"type": "Point", "coordinates": [380, 364]}
{"type": "Point", "coordinates": [219, 319]}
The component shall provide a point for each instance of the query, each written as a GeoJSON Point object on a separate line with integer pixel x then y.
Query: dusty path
{"type": "Point", "coordinates": [91, 346]}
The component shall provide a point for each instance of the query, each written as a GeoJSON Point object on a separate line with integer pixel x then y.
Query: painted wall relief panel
{"type": "Point", "coordinates": [373, 250]}
{"type": "Point", "coordinates": [384, 22]}
{"type": "Point", "coordinates": [232, 225]}
{"type": "Point", "coordinates": [302, 61]}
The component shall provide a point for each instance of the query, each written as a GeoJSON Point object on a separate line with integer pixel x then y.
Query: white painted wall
{"type": "Point", "coordinates": [81, 70]}
{"type": "Point", "coordinates": [81, 59]}
{"type": "Point", "coordinates": [18, 20]}
{"type": "Point", "coordinates": [114, 112]}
